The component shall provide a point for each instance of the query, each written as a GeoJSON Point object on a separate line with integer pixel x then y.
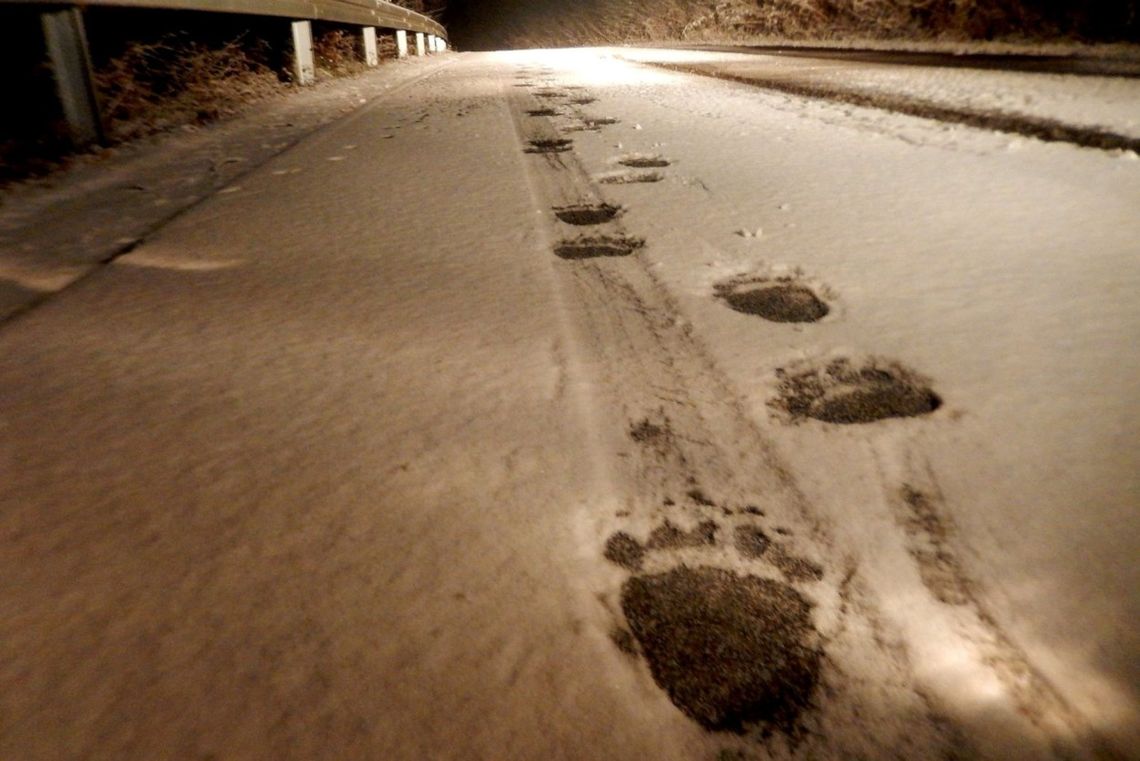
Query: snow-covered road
{"type": "Point", "coordinates": [442, 435]}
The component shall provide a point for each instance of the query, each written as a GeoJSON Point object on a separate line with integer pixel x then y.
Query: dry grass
{"type": "Point", "coordinates": [958, 19]}
{"type": "Point", "coordinates": [338, 53]}
{"type": "Point", "coordinates": [176, 81]}
{"type": "Point", "coordinates": [24, 158]}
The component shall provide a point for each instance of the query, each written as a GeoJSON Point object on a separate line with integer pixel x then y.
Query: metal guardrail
{"type": "Point", "coordinates": [358, 12]}
{"type": "Point", "coordinates": [66, 40]}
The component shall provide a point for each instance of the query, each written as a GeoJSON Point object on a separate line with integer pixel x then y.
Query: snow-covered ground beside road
{"type": "Point", "coordinates": [1110, 103]}
{"type": "Point", "coordinates": [371, 455]}
{"type": "Point", "coordinates": [1005, 275]}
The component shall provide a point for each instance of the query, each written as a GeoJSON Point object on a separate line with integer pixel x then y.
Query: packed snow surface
{"type": "Point", "coordinates": [1099, 102]}
{"type": "Point", "coordinates": [512, 415]}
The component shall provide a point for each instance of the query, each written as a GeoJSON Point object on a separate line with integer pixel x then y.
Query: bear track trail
{"type": "Point", "coordinates": [691, 472]}
{"type": "Point", "coordinates": [718, 560]}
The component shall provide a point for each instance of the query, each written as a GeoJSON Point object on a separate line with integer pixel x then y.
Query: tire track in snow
{"type": "Point", "coordinates": [1041, 128]}
{"type": "Point", "coordinates": [918, 508]}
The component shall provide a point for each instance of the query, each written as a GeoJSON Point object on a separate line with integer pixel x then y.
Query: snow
{"type": "Point", "coordinates": [1009, 292]}
{"type": "Point", "coordinates": [1087, 101]}
{"type": "Point", "coordinates": [325, 466]}
{"type": "Point", "coordinates": [54, 231]}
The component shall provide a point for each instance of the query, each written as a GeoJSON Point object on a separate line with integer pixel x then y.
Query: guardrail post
{"type": "Point", "coordinates": [371, 57]}
{"type": "Point", "coordinates": [441, 44]}
{"type": "Point", "coordinates": [431, 43]}
{"type": "Point", "coordinates": [401, 43]}
{"type": "Point", "coordinates": [71, 67]}
{"type": "Point", "coordinates": [419, 43]}
{"type": "Point", "coordinates": [303, 68]}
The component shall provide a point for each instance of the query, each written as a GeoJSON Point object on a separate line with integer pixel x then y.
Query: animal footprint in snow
{"type": "Point", "coordinates": [752, 542]}
{"type": "Point", "coordinates": [593, 124]}
{"type": "Point", "coordinates": [629, 178]}
{"type": "Point", "coordinates": [644, 161]}
{"type": "Point", "coordinates": [730, 649]}
{"type": "Point", "coordinates": [778, 299]}
{"type": "Point", "coordinates": [623, 549]}
{"type": "Point", "coordinates": [592, 247]}
{"type": "Point", "coordinates": [550, 145]}
{"type": "Point", "coordinates": [587, 214]}
{"type": "Point", "coordinates": [844, 391]}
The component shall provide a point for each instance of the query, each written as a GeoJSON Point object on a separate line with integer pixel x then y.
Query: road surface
{"type": "Point", "coordinates": [554, 405]}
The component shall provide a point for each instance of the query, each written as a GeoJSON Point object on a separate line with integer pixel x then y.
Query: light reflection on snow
{"type": "Point", "coordinates": [157, 258]}
{"type": "Point", "coordinates": [589, 66]}
{"type": "Point", "coordinates": [40, 277]}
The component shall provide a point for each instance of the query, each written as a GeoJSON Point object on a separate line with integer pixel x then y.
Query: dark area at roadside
{"type": "Point", "coordinates": [1073, 63]}
{"type": "Point", "coordinates": [156, 71]}
{"type": "Point", "coordinates": [493, 24]}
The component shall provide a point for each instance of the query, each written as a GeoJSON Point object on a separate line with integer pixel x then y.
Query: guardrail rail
{"type": "Point", "coordinates": [70, 60]}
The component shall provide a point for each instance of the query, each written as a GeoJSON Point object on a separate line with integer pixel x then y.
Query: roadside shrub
{"type": "Point", "coordinates": [338, 53]}
{"type": "Point", "coordinates": [543, 23]}
{"type": "Point", "coordinates": [176, 81]}
{"type": "Point", "coordinates": [956, 19]}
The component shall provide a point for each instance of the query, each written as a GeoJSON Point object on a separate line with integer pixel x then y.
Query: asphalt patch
{"type": "Point", "coordinates": [622, 549]}
{"type": "Point", "coordinates": [697, 495]}
{"type": "Point", "coordinates": [777, 302]}
{"type": "Point", "coordinates": [645, 431]}
{"type": "Point", "coordinates": [644, 162]}
{"type": "Point", "coordinates": [846, 393]}
{"type": "Point", "coordinates": [750, 541]}
{"type": "Point", "coordinates": [584, 101]}
{"type": "Point", "coordinates": [794, 567]}
{"type": "Point", "coordinates": [729, 650]}
{"type": "Point", "coordinates": [542, 112]}
{"type": "Point", "coordinates": [669, 537]}
{"type": "Point", "coordinates": [597, 246]}
{"type": "Point", "coordinates": [554, 145]}
{"type": "Point", "coordinates": [587, 214]}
